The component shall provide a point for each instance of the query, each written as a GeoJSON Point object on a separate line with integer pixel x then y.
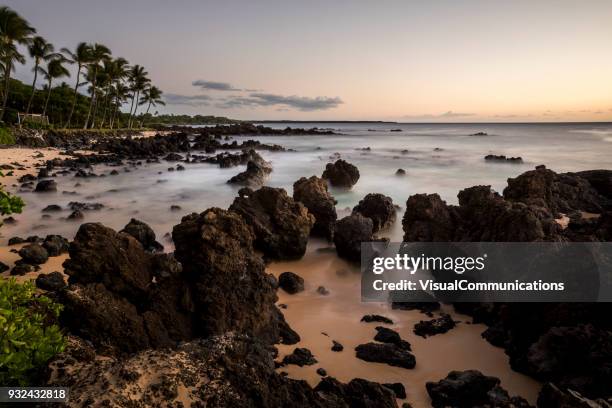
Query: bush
{"type": "Point", "coordinates": [28, 335]}
{"type": "Point", "coordinates": [6, 136]}
{"type": "Point", "coordinates": [9, 203]}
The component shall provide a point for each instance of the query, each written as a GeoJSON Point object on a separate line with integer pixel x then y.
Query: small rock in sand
{"type": "Point", "coordinates": [376, 318]}
{"type": "Point", "coordinates": [337, 347]}
{"type": "Point", "coordinates": [291, 282]}
{"type": "Point", "coordinates": [322, 290]}
{"type": "Point", "coordinates": [397, 388]}
{"type": "Point", "coordinates": [321, 372]}
{"type": "Point", "coordinates": [435, 326]}
{"type": "Point", "coordinates": [34, 254]}
{"type": "Point", "coordinates": [53, 281]}
{"type": "Point", "coordinates": [300, 357]}
{"type": "Point", "coordinates": [45, 186]}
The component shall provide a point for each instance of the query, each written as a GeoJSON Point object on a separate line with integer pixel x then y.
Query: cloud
{"type": "Point", "coordinates": [302, 103]}
{"type": "Point", "coordinates": [445, 115]}
{"type": "Point", "coordinates": [192, 100]}
{"type": "Point", "coordinates": [214, 86]}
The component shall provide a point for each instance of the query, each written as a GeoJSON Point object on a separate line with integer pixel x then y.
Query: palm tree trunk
{"type": "Point", "coordinates": [93, 96]}
{"type": "Point", "coordinates": [33, 89]}
{"type": "Point", "coordinates": [7, 81]}
{"type": "Point", "coordinates": [76, 87]}
{"type": "Point", "coordinates": [105, 103]}
{"type": "Point", "coordinates": [135, 109]}
{"type": "Point", "coordinates": [131, 107]}
{"type": "Point", "coordinates": [47, 100]}
{"type": "Point", "coordinates": [146, 113]}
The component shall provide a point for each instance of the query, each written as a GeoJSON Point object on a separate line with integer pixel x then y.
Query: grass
{"type": "Point", "coordinates": [6, 136]}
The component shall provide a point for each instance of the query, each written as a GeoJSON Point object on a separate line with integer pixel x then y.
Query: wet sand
{"type": "Point", "coordinates": [338, 315]}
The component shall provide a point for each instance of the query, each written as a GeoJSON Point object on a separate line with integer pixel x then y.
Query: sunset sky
{"type": "Point", "coordinates": [413, 61]}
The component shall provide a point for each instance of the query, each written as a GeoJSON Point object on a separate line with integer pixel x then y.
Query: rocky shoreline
{"type": "Point", "coordinates": [199, 326]}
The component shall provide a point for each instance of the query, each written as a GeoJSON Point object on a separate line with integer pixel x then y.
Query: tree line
{"type": "Point", "coordinates": [111, 82]}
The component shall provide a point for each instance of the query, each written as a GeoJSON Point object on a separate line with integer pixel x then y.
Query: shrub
{"type": "Point", "coordinates": [6, 136]}
{"type": "Point", "coordinates": [28, 335]}
{"type": "Point", "coordinates": [9, 203]}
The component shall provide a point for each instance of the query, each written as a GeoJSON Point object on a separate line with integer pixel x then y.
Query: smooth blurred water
{"type": "Point", "coordinates": [460, 164]}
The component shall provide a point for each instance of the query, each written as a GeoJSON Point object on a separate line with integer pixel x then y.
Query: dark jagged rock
{"type": "Point", "coordinates": [502, 158]}
{"type": "Point", "coordinates": [75, 215]}
{"type": "Point", "coordinates": [559, 193]}
{"type": "Point", "coordinates": [386, 335]}
{"type": "Point", "coordinates": [3, 267]}
{"type": "Point", "coordinates": [21, 269]}
{"type": "Point", "coordinates": [34, 254]}
{"type": "Point", "coordinates": [256, 172]}
{"type": "Point", "coordinates": [552, 396]}
{"type": "Point", "coordinates": [379, 208]}
{"type": "Point", "coordinates": [16, 241]}
{"type": "Point", "coordinates": [337, 347]}
{"type": "Point", "coordinates": [52, 208]}
{"type": "Point", "coordinates": [55, 245]}
{"type": "Point", "coordinates": [313, 193]}
{"type": "Point", "coordinates": [173, 157]}
{"type": "Point", "coordinates": [321, 371]}
{"type": "Point", "coordinates": [428, 218]}
{"type": "Point", "coordinates": [290, 282]}
{"type": "Point", "coordinates": [52, 282]}
{"type": "Point", "coordinates": [357, 393]}
{"type": "Point", "coordinates": [143, 234]}
{"type": "Point", "coordinates": [432, 327]}
{"type": "Point", "coordinates": [78, 206]}
{"type": "Point", "coordinates": [45, 186]}
{"type": "Point", "coordinates": [400, 172]}
{"type": "Point", "coordinates": [387, 353]}
{"type": "Point", "coordinates": [300, 357]}
{"type": "Point", "coordinates": [469, 389]}
{"type": "Point", "coordinates": [281, 225]}
{"type": "Point", "coordinates": [341, 174]}
{"type": "Point", "coordinates": [27, 178]}
{"type": "Point", "coordinates": [349, 233]}
{"type": "Point", "coordinates": [376, 318]}
{"type": "Point", "coordinates": [397, 388]}
{"type": "Point", "coordinates": [600, 180]}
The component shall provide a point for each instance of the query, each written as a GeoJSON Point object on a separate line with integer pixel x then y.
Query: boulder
{"type": "Point", "coordinates": [55, 245]}
{"type": "Point", "coordinates": [52, 282]}
{"type": "Point", "coordinates": [313, 193]}
{"type": "Point", "coordinates": [387, 353]}
{"type": "Point", "coordinates": [468, 389]}
{"type": "Point", "coordinates": [432, 327]}
{"type": "Point", "coordinates": [386, 335]}
{"type": "Point", "coordinates": [341, 174]}
{"type": "Point", "coordinates": [45, 186]}
{"type": "Point", "coordinates": [143, 234]}
{"type": "Point", "coordinates": [376, 318]}
{"type": "Point", "coordinates": [34, 254]}
{"type": "Point", "coordinates": [349, 233]}
{"type": "Point", "coordinates": [291, 282]}
{"type": "Point", "coordinates": [379, 208]}
{"type": "Point", "coordinates": [552, 396]}
{"type": "Point", "coordinates": [281, 225]}
{"type": "Point", "coordinates": [398, 389]}
{"type": "Point", "coordinates": [300, 357]}
{"type": "Point", "coordinates": [256, 172]}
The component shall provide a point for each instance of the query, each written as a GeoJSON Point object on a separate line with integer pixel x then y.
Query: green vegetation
{"type": "Point", "coordinates": [28, 335]}
{"type": "Point", "coordinates": [111, 82]}
{"type": "Point", "coordinates": [10, 204]}
{"type": "Point", "coordinates": [189, 120]}
{"type": "Point", "coordinates": [6, 136]}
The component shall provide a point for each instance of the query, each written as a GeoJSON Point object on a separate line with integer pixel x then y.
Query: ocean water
{"type": "Point", "coordinates": [438, 158]}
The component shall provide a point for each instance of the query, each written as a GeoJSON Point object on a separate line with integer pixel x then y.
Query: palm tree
{"type": "Point", "coordinates": [13, 30]}
{"type": "Point", "coordinates": [138, 82]}
{"type": "Point", "coordinates": [99, 53]}
{"type": "Point", "coordinates": [81, 56]}
{"type": "Point", "coordinates": [55, 69]}
{"type": "Point", "coordinates": [114, 71]}
{"type": "Point", "coordinates": [122, 93]}
{"type": "Point", "coordinates": [41, 51]}
{"type": "Point", "coordinates": [151, 97]}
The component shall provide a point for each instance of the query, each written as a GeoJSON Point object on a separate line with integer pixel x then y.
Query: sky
{"type": "Point", "coordinates": [409, 61]}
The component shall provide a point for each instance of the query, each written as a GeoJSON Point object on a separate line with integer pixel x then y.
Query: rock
{"type": "Point", "coordinates": [44, 186]}
{"type": "Point", "coordinates": [397, 388]}
{"type": "Point", "coordinates": [321, 372]}
{"type": "Point", "coordinates": [21, 269]}
{"type": "Point", "coordinates": [281, 225]}
{"type": "Point", "coordinates": [256, 172]}
{"type": "Point", "coordinates": [175, 207]}
{"type": "Point", "coordinates": [75, 205]}
{"type": "Point", "coordinates": [341, 174]}
{"type": "Point", "coordinates": [34, 254]}
{"type": "Point", "coordinates": [502, 158]}
{"type": "Point", "coordinates": [52, 282]}
{"type": "Point", "coordinates": [114, 173]}
{"type": "Point", "coordinates": [322, 290]}
{"type": "Point", "coordinates": [428, 219]}
{"type": "Point", "coordinates": [432, 327]}
{"type": "Point", "coordinates": [349, 233]}
{"type": "Point", "coordinates": [559, 193]}
{"type": "Point", "coordinates": [26, 178]}
{"type": "Point", "coordinates": [16, 241]}
{"type": "Point", "coordinates": [300, 357]}
{"type": "Point", "coordinates": [400, 172]}
{"type": "Point", "coordinates": [313, 193]}
{"type": "Point", "coordinates": [468, 389]}
{"type": "Point", "coordinates": [55, 245]}
{"type": "Point", "coordinates": [3, 267]}
{"type": "Point", "coordinates": [386, 353]}
{"type": "Point", "coordinates": [337, 347]}
{"type": "Point", "coordinates": [386, 335]}
{"type": "Point", "coordinates": [173, 157]}
{"type": "Point", "coordinates": [379, 208]}
{"type": "Point", "coordinates": [241, 364]}
{"type": "Point", "coordinates": [552, 397]}
{"type": "Point", "coordinates": [9, 221]}
{"type": "Point", "coordinates": [376, 318]}
{"type": "Point", "coordinates": [76, 215]}
{"type": "Point", "coordinates": [479, 134]}
{"type": "Point", "coordinates": [52, 208]}
{"type": "Point", "coordinates": [143, 234]}
{"type": "Point", "coordinates": [600, 180]}
{"type": "Point", "coordinates": [291, 282]}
